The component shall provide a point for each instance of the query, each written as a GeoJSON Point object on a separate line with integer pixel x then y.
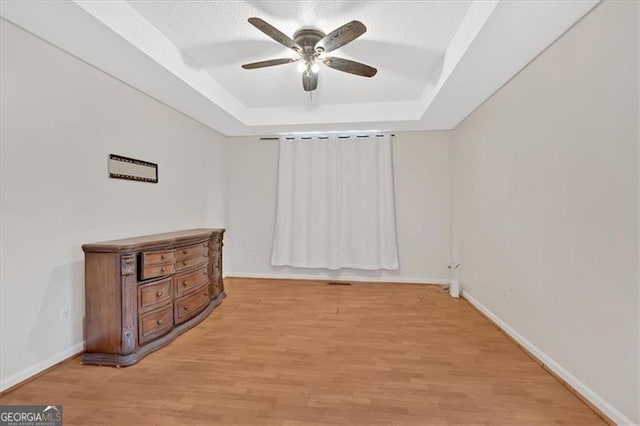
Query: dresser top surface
{"type": "Point", "coordinates": [165, 239]}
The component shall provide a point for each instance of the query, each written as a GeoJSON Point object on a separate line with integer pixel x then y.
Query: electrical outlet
{"type": "Point", "coordinates": [65, 314]}
{"type": "Point", "coordinates": [506, 292]}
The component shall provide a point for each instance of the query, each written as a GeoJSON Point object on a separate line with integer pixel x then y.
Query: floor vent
{"type": "Point", "coordinates": [338, 283]}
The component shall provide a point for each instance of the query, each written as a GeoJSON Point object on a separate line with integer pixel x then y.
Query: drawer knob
{"type": "Point", "coordinates": [184, 252]}
{"type": "Point", "coordinates": [162, 269]}
{"type": "Point", "coordinates": [159, 322]}
{"type": "Point", "coordinates": [185, 307]}
{"type": "Point", "coordinates": [159, 294]}
{"type": "Point", "coordinates": [162, 257]}
{"type": "Point", "coordinates": [184, 263]}
{"type": "Point", "coordinates": [184, 283]}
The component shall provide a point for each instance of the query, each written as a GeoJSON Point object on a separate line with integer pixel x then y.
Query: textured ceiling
{"type": "Point", "coordinates": [406, 41]}
{"type": "Point", "coordinates": [437, 60]}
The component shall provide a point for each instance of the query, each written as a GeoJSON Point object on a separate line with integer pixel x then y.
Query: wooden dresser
{"type": "Point", "coordinates": [141, 293]}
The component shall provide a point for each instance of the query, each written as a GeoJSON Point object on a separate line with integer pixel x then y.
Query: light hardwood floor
{"type": "Point", "coordinates": [307, 353]}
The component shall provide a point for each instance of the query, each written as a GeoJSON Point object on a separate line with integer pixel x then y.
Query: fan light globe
{"type": "Point", "coordinates": [315, 68]}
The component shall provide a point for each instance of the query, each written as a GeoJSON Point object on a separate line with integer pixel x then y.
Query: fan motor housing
{"type": "Point", "coordinates": [307, 37]}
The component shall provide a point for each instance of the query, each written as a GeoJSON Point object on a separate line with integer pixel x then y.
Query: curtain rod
{"type": "Point", "coordinates": [277, 138]}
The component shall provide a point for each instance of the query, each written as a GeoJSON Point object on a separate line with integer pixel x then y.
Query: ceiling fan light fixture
{"type": "Point", "coordinates": [308, 67]}
{"type": "Point", "coordinates": [311, 45]}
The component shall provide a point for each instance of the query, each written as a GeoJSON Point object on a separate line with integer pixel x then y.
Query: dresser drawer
{"type": "Point", "coordinates": [156, 271]}
{"type": "Point", "coordinates": [197, 250]}
{"type": "Point", "coordinates": [188, 306]}
{"type": "Point", "coordinates": [154, 295]}
{"type": "Point", "coordinates": [154, 324]}
{"type": "Point", "coordinates": [186, 281]}
{"type": "Point", "coordinates": [157, 263]}
{"type": "Point", "coordinates": [188, 263]}
{"type": "Point", "coordinates": [152, 258]}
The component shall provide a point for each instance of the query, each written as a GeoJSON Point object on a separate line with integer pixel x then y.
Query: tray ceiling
{"type": "Point", "coordinates": [218, 39]}
{"type": "Point", "coordinates": [437, 61]}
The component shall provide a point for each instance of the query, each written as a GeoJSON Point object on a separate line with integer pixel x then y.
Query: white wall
{"type": "Point", "coordinates": [638, 211]}
{"type": "Point", "coordinates": [60, 120]}
{"type": "Point", "coordinates": [422, 166]}
{"type": "Point", "coordinates": [546, 204]}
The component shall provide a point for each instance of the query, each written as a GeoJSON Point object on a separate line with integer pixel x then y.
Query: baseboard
{"type": "Point", "coordinates": [36, 369]}
{"type": "Point", "coordinates": [381, 280]}
{"type": "Point", "coordinates": [605, 410]}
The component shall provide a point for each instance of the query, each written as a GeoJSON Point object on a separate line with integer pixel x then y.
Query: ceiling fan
{"type": "Point", "coordinates": [311, 45]}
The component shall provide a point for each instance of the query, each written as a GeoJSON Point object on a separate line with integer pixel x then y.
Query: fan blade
{"type": "Point", "coordinates": [341, 36]}
{"type": "Point", "coordinates": [352, 67]}
{"type": "Point", "coordinates": [269, 63]}
{"type": "Point", "coordinates": [309, 81]}
{"type": "Point", "coordinates": [274, 33]}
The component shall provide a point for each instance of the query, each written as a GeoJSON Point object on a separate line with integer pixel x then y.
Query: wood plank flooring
{"type": "Point", "coordinates": [307, 353]}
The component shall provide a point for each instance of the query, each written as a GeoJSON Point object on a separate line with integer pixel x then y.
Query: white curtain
{"type": "Point", "coordinates": [335, 205]}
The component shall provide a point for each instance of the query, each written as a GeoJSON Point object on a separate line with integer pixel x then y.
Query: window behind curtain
{"type": "Point", "coordinates": [335, 205]}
